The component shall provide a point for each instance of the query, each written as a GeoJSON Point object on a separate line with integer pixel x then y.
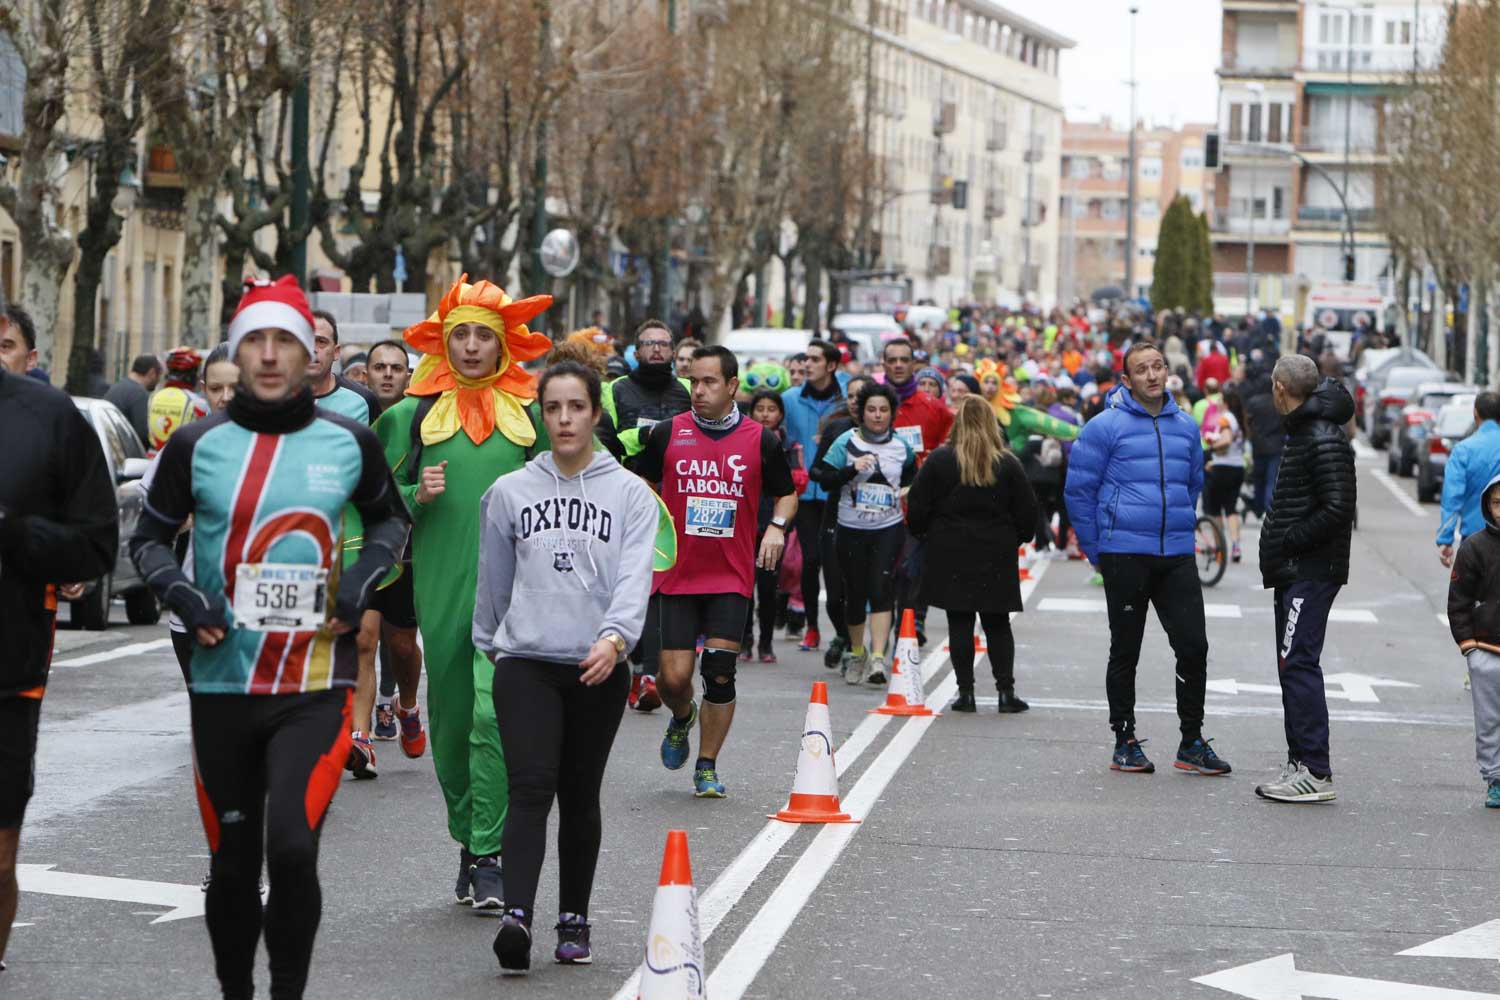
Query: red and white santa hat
{"type": "Point", "coordinates": [275, 305]}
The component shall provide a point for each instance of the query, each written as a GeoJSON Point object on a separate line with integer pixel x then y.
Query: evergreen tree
{"type": "Point", "coordinates": [1175, 243]}
{"type": "Point", "coordinates": [1205, 266]}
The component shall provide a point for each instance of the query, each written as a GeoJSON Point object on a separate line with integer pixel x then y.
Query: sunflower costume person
{"type": "Point", "coordinates": [475, 430]}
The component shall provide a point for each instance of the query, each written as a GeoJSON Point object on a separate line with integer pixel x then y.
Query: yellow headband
{"type": "Point", "coordinates": [473, 314]}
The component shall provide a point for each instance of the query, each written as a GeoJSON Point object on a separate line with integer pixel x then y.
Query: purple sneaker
{"type": "Point", "coordinates": [572, 940]}
{"type": "Point", "coordinates": [513, 943]}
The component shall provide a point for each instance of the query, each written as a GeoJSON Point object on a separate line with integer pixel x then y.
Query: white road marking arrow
{"type": "Point", "coordinates": [1232, 686]}
{"type": "Point", "coordinates": [1358, 687]}
{"type": "Point", "coordinates": [1346, 687]}
{"type": "Point", "coordinates": [1279, 979]}
{"type": "Point", "coordinates": [1475, 942]}
{"type": "Point", "coordinates": [182, 901]}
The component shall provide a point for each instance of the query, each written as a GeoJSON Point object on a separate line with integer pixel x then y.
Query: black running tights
{"type": "Point", "coordinates": [266, 767]}
{"type": "Point", "coordinates": [998, 639]}
{"type": "Point", "coordinates": [556, 733]}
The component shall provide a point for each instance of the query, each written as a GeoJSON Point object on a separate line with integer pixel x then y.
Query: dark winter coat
{"type": "Point", "coordinates": [59, 522]}
{"type": "Point", "coordinates": [1474, 586]}
{"type": "Point", "coordinates": [1264, 428]}
{"type": "Point", "coordinates": [970, 533]}
{"type": "Point", "coordinates": [1306, 535]}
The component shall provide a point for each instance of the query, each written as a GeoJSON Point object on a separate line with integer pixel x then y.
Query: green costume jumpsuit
{"type": "Point", "coordinates": [445, 557]}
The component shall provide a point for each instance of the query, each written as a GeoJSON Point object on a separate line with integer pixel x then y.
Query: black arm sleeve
{"type": "Point", "coordinates": [82, 540]}
{"type": "Point", "coordinates": [651, 460]}
{"type": "Point", "coordinates": [921, 502]}
{"type": "Point", "coordinates": [167, 506]}
{"type": "Point", "coordinates": [609, 435]}
{"type": "Point", "coordinates": [775, 470]}
{"type": "Point", "coordinates": [386, 523]}
{"type": "Point", "coordinates": [909, 470]}
{"type": "Point", "coordinates": [1023, 505]}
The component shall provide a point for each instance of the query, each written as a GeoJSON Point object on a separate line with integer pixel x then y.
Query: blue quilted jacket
{"type": "Point", "coordinates": [1134, 479]}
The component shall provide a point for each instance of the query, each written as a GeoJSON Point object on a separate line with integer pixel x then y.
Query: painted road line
{"type": "Point", "coordinates": [1279, 978]}
{"type": "Point", "coordinates": [182, 902]}
{"type": "Point", "coordinates": [1353, 616]}
{"type": "Point", "coordinates": [119, 652]}
{"type": "Point", "coordinates": [1443, 618]}
{"type": "Point", "coordinates": [744, 960]}
{"type": "Point", "coordinates": [1362, 449]}
{"type": "Point", "coordinates": [730, 887]}
{"type": "Point", "coordinates": [79, 760]}
{"type": "Point", "coordinates": [1404, 498]}
{"type": "Point", "coordinates": [1474, 942]}
{"type": "Point", "coordinates": [1088, 605]}
{"type": "Point", "coordinates": [1252, 712]}
{"type": "Point", "coordinates": [1345, 686]}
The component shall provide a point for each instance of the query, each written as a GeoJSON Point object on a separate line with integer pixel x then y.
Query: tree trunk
{"type": "Point", "coordinates": [81, 359]}
{"type": "Point", "coordinates": [788, 291]}
{"type": "Point", "coordinates": [42, 274]}
{"type": "Point", "coordinates": [200, 254]}
{"type": "Point", "coordinates": [813, 297]}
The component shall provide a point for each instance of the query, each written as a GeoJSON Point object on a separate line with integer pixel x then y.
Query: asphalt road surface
{"type": "Point", "coordinates": [998, 855]}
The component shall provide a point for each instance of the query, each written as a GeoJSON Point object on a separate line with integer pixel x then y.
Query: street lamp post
{"type": "Point", "coordinates": [1131, 166]}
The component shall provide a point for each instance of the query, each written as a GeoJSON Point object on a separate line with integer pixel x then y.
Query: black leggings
{"type": "Point", "coordinates": [827, 547]}
{"type": "Point", "coordinates": [556, 733]}
{"type": "Point", "coordinates": [766, 604]}
{"type": "Point", "coordinates": [266, 767]}
{"type": "Point", "coordinates": [182, 646]}
{"type": "Point", "coordinates": [997, 638]}
{"type": "Point", "coordinates": [809, 531]}
{"type": "Point", "coordinates": [867, 559]}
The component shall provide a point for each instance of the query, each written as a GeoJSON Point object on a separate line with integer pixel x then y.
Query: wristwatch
{"type": "Point", "coordinates": [617, 639]}
{"type": "Point", "coordinates": [779, 522]}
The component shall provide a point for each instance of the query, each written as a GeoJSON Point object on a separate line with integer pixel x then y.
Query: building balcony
{"type": "Point", "coordinates": [1232, 65]}
{"type": "Point", "coordinates": [1331, 140]}
{"type": "Point", "coordinates": [1332, 217]}
{"type": "Point", "coordinates": [1243, 225]}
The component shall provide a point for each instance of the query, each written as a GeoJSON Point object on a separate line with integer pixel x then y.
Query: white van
{"type": "Point", "coordinates": [869, 330]}
{"type": "Point", "coordinates": [766, 343]}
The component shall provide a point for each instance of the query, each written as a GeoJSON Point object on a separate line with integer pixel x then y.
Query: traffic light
{"type": "Point", "coordinates": [1348, 267]}
{"type": "Point", "coordinates": [1211, 151]}
{"type": "Point", "coordinates": [960, 195]}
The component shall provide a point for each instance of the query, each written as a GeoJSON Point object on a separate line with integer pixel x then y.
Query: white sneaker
{"type": "Point", "coordinates": [858, 667]}
{"type": "Point", "coordinates": [1297, 784]}
{"type": "Point", "coordinates": [877, 671]}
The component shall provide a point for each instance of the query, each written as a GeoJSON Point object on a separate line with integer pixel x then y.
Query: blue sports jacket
{"type": "Point", "coordinates": [1474, 462]}
{"type": "Point", "coordinates": [803, 417]}
{"type": "Point", "coordinates": [1134, 480]}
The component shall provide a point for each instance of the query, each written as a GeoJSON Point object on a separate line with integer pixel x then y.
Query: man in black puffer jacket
{"type": "Point", "coordinates": [1304, 556]}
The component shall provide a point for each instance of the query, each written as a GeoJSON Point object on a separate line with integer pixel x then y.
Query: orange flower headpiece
{"type": "Point", "coordinates": [595, 340]}
{"type": "Point", "coordinates": [1006, 400]}
{"type": "Point", "coordinates": [478, 406]}
{"type": "Point", "coordinates": [989, 366]}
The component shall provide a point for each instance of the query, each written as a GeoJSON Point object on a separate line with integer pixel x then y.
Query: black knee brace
{"type": "Point", "coordinates": [718, 666]}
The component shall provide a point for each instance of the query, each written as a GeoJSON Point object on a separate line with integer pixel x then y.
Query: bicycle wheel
{"type": "Point", "coordinates": [1209, 549]}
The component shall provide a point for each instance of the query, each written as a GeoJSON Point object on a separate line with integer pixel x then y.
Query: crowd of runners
{"type": "Point", "coordinates": [559, 532]}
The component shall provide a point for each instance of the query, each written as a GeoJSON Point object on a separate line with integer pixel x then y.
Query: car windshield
{"type": "Point", "coordinates": [1455, 419]}
{"type": "Point", "coordinates": [1432, 400]}
{"type": "Point", "coordinates": [1406, 378]}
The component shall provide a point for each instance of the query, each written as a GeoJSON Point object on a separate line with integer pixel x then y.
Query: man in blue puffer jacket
{"type": "Point", "coordinates": [1132, 494]}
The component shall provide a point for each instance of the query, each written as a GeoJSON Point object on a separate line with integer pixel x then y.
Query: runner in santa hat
{"type": "Point", "coordinates": [272, 611]}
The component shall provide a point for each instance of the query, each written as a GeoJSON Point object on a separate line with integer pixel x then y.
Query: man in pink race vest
{"type": "Point", "coordinates": [712, 464]}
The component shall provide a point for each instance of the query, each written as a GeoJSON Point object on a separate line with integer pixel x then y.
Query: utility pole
{"type": "Point", "coordinates": [1131, 167]}
{"type": "Point", "coordinates": [301, 173]}
{"type": "Point", "coordinates": [1348, 129]}
{"type": "Point", "coordinates": [865, 220]}
{"type": "Point", "coordinates": [539, 278]}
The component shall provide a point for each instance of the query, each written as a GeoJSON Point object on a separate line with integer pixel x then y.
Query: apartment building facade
{"type": "Point", "coordinates": [1305, 92]}
{"type": "Point", "coordinates": [1093, 202]}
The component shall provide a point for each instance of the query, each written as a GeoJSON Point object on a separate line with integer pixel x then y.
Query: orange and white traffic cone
{"type": "Point", "coordinates": [673, 969]}
{"type": "Point", "coordinates": [903, 695]}
{"type": "Point", "coordinates": [815, 790]}
{"type": "Point", "coordinates": [1023, 562]}
{"type": "Point", "coordinates": [979, 645]}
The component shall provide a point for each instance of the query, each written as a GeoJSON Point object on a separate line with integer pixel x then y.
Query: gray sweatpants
{"type": "Point", "coordinates": [1484, 683]}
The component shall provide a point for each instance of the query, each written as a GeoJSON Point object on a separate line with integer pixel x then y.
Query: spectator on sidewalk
{"type": "Point", "coordinates": [132, 394]}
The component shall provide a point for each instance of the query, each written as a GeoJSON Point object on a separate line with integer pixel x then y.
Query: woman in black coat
{"type": "Point", "coordinates": [972, 506]}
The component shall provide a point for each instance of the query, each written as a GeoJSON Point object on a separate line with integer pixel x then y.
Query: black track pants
{"type": "Point", "coordinates": [998, 639]}
{"type": "Point", "coordinates": [1132, 583]}
{"type": "Point", "coordinates": [266, 767]}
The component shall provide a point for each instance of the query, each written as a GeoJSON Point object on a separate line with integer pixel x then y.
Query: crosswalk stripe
{"type": "Point", "coordinates": [117, 653]}
{"type": "Point", "coordinates": [1087, 605]}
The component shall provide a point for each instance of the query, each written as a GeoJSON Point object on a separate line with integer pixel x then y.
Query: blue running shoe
{"type": "Point", "coordinates": [706, 784]}
{"type": "Point", "coordinates": [1130, 757]}
{"type": "Point", "coordinates": [1492, 800]}
{"type": "Point", "coordinates": [674, 745]}
{"type": "Point", "coordinates": [1199, 757]}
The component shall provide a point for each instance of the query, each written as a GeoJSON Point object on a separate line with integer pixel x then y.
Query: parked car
{"type": "Point", "coordinates": [1416, 420]}
{"type": "Point", "coordinates": [1372, 367]}
{"type": "Point", "coordinates": [1453, 423]}
{"type": "Point", "coordinates": [755, 343]}
{"type": "Point", "coordinates": [1389, 394]}
{"type": "Point", "coordinates": [127, 463]}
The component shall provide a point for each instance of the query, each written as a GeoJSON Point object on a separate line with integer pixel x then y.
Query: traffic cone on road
{"type": "Point", "coordinates": [673, 969]}
{"type": "Point", "coordinates": [979, 646]}
{"type": "Point", "coordinates": [1023, 561]}
{"type": "Point", "coordinates": [903, 695]}
{"type": "Point", "coordinates": [815, 790]}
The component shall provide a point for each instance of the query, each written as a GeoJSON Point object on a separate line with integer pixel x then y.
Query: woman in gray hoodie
{"type": "Point", "coordinates": [566, 544]}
